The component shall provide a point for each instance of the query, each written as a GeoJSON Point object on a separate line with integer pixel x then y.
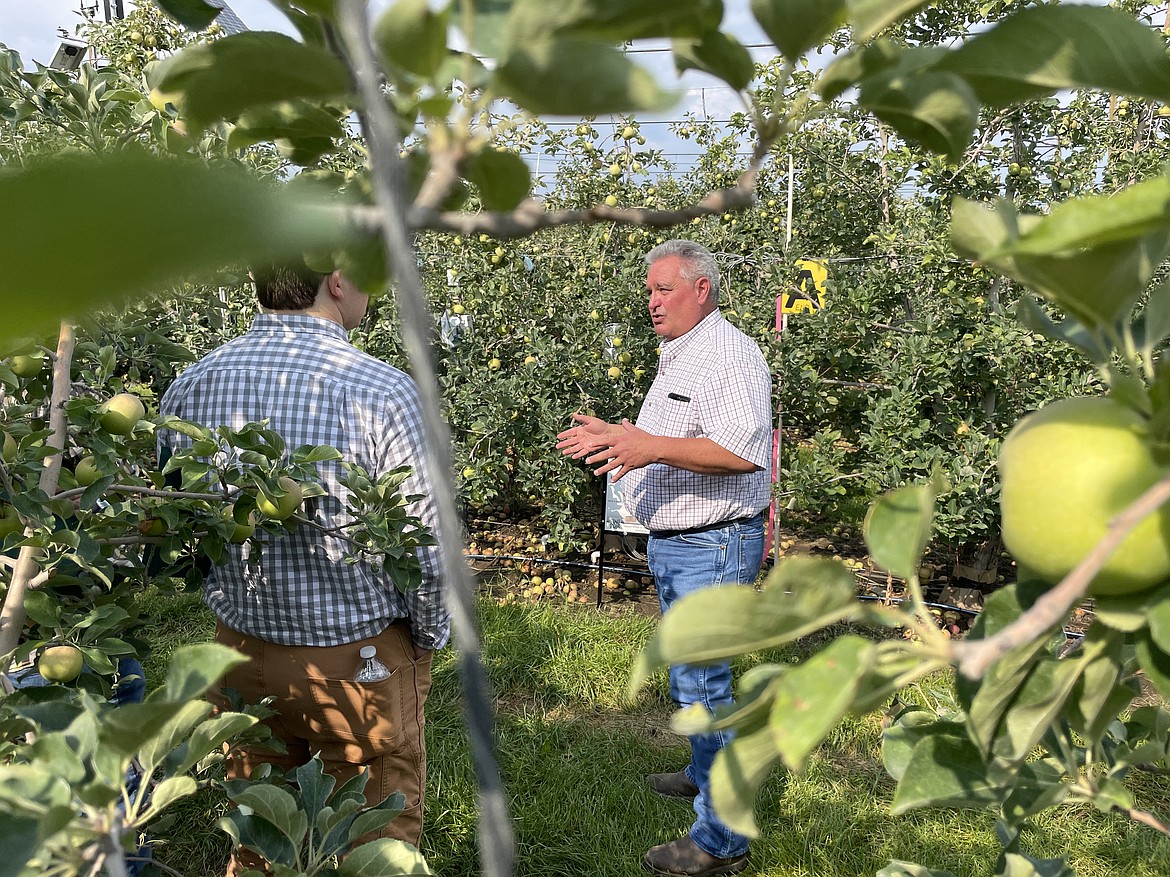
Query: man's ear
{"type": "Point", "coordinates": [333, 285]}
{"type": "Point", "coordinates": [703, 289]}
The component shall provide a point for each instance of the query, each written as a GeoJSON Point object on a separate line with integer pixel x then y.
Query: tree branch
{"type": "Point", "coordinates": [12, 614]}
{"type": "Point", "coordinates": [531, 217]}
{"type": "Point", "coordinates": [387, 179]}
{"type": "Point", "coordinates": [1145, 818]}
{"type": "Point", "coordinates": [975, 657]}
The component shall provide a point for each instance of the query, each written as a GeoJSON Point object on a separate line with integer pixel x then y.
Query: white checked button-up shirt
{"type": "Point", "coordinates": [713, 382]}
{"type": "Point", "coordinates": [303, 376]}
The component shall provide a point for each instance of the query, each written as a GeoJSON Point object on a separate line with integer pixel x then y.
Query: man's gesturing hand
{"type": "Point", "coordinates": [590, 434]}
{"type": "Point", "coordinates": [628, 448]}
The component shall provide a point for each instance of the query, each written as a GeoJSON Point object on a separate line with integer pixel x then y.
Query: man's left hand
{"type": "Point", "coordinates": [623, 452]}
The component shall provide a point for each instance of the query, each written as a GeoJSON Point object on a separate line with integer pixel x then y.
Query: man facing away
{"type": "Point", "coordinates": [293, 605]}
{"type": "Point", "coordinates": [697, 477]}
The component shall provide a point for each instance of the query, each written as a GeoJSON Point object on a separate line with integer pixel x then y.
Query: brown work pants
{"type": "Point", "coordinates": [321, 711]}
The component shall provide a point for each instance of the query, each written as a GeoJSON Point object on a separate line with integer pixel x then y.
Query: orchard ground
{"type": "Point", "coordinates": [574, 751]}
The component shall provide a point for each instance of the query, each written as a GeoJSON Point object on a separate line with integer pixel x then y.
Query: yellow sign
{"type": "Point", "coordinates": [809, 296]}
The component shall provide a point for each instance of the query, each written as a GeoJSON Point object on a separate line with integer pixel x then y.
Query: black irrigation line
{"type": "Point", "coordinates": [575, 564]}
{"type": "Point", "coordinates": [946, 607]}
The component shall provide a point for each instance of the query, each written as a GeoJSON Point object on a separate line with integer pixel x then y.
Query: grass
{"type": "Point", "coordinates": [573, 754]}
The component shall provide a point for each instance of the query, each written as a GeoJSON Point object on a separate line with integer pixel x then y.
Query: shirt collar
{"type": "Point", "coordinates": [299, 324]}
{"type": "Point", "coordinates": [675, 347]}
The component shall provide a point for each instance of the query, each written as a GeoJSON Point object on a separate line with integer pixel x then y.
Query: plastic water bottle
{"type": "Point", "coordinates": [370, 669]}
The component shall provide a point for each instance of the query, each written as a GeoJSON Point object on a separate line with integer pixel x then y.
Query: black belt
{"type": "Point", "coordinates": [689, 531]}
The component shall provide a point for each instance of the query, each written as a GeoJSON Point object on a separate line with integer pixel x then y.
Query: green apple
{"type": "Point", "coordinates": [119, 415]}
{"type": "Point", "coordinates": [280, 507]}
{"type": "Point", "coordinates": [9, 521]}
{"type": "Point", "coordinates": [152, 526]}
{"type": "Point", "coordinates": [1066, 472]}
{"type": "Point", "coordinates": [243, 529]}
{"type": "Point", "coordinates": [11, 447]}
{"type": "Point", "coordinates": [27, 365]}
{"type": "Point", "coordinates": [60, 663]}
{"type": "Point", "coordinates": [86, 472]}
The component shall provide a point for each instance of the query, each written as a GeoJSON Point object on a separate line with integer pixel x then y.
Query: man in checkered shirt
{"type": "Point", "coordinates": [292, 604]}
{"type": "Point", "coordinates": [697, 470]}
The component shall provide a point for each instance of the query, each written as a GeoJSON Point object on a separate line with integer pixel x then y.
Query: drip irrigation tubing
{"type": "Point", "coordinates": [945, 607]}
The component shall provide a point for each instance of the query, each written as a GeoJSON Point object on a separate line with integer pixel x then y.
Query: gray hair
{"type": "Point", "coordinates": [696, 259]}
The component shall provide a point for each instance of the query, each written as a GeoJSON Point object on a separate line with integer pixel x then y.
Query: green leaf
{"type": "Point", "coordinates": [314, 785]}
{"type": "Point", "coordinates": [978, 230]}
{"type": "Point", "coordinates": [801, 595]}
{"type": "Point", "coordinates": [384, 857]}
{"type": "Point", "coordinates": [412, 37]}
{"type": "Point", "coordinates": [43, 608]}
{"type": "Point", "coordinates": [937, 110]}
{"type": "Point", "coordinates": [214, 216]}
{"type": "Point", "coordinates": [58, 753]}
{"type": "Point", "coordinates": [577, 77]}
{"type": "Point", "coordinates": [22, 784]}
{"type": "Point", "coordinates": [796, 26]}
{"type": "Point", "coordinates": [1159, 620]}
{"type": "Point", "coordinates": [192, 14]}
{"type": "Point", "coordinates": [1071, 332]}
{"type": "Point", "coordinates": [1134, 212]}
{"type": "Point", "coordinates": [911, 728]}
{"type": "Point", "coordinates": [276, 807]}
{"type": "Point", "coordinates": [259, 835]}
{"type": "Point", "coordinates": [868, 17]}
{"type": "Point", "coordinates": [1099, 285]}
{"type": "Point", "coordinates": [1154, 662]}
{"type": "Point", "coordinates": [1040, 786]}
{"type": "Point", "coordinates": [986, 699]}
{"type": "Point", "coordinates": [812, 698]}
{"type": "Point", "coordinates": [613, 21]}
{"type": "Point", "coordinates": [195, 668]}
{"type": "Point", "coordinates": [1130, 612]}
{"type": "Point", "coordinates": [909, 869]}
{"type": "Point", "coordinates": [1099, 695]}
{"type": "Point", "coordinates": [170, 790]}
{"type": "Point", "coordinates": [1155, 318]}
{"type": "Point", "coordinates": [739, 770]}
{"type": "Point", "coordinates": [315, 454]}
{"type": "Point", "coordinates": [288, 120]}
{"type": "Point", "coordinates": [221, 79]}
{"type": "Point", "coordinates": [945, 770]}
{"type": "Point", "coordinates": [502, 178]}
{"type": "Point", "coordinates": [488, 32]}
{"type": "Point", "coordinates": [848, 68]}
{"type": "Point", "coordinates": [1038, 702]}
{"type": "Point", "coordinates": [210, 736]}
{"type": "Point", "coordinates": [1018, 865]}
{"type": "Point", "coordinates": [897, 528]}
{"type": "Point", "coordinates": [376, 818]}
{"type": "Point", "coordinates": [173, 732]}
{"type": "Point", "coordinates": [1112, 794]}
{"type": "Point", "coordinates": [723, 56]}
{"type": "Point", "coordinates": [19, 840]}
{"type": "Point", "coordinates": [1049, 48]}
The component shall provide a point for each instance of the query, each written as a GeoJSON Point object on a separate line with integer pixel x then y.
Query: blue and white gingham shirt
{"type": "Point", "coordinates": [712, 382]}
{"type": "Point", "coordinates": [302, 375]}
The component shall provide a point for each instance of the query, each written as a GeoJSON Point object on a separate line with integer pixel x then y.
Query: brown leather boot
{"type": "Point", "coordinates": [673, 785]}
{"type": "Point", "coordinates": [685, 858]}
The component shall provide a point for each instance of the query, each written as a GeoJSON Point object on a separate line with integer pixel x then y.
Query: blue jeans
{"type": "Point", "coordinates": [681, 565]}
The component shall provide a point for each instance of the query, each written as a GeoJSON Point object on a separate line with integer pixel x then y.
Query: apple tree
{"type": "Point", "coordinates": [437, 162]}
